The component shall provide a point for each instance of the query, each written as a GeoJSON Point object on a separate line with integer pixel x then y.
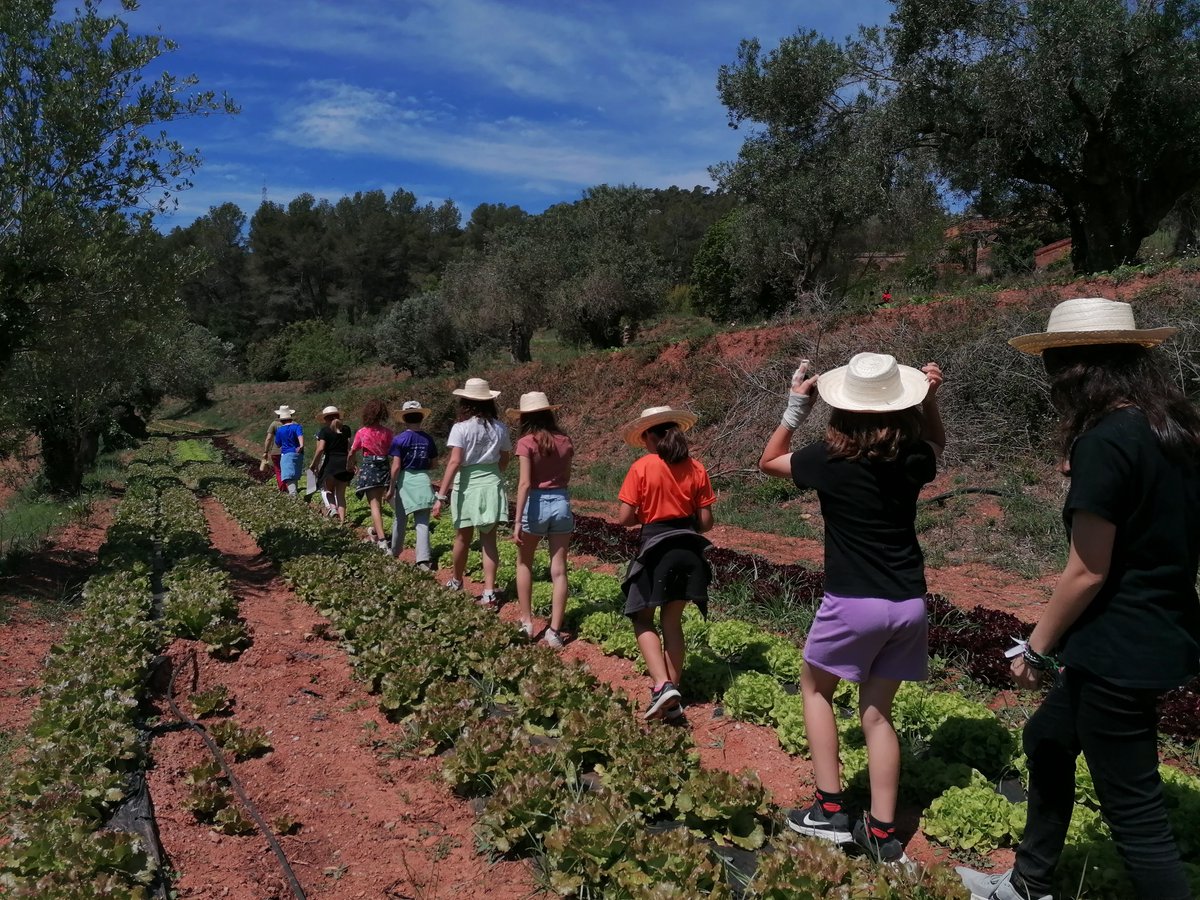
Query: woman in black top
{"type": "Point", "coordinates": [1124, 619]}
{"type": "Point", "coordinates": [329, 464]}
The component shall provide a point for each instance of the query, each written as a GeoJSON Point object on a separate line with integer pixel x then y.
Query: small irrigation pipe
{"type": "Point", "coordinates": [249, 806]}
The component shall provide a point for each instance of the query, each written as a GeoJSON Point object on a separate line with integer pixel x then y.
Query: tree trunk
{"type": "Point", "coordinates": [1107, 230]}
{"type": "Point", "coordinates": [519, 339]}
{"type": "Point", "coordinates": [1189, 225]}
{"type": "Point", "coordinates": [67, 454]}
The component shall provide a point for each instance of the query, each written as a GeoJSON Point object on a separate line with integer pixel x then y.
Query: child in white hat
{"type": "Point", "coordinates": [882, 445]}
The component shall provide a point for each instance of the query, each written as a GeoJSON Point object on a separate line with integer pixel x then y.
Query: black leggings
{"type": "Point", "coordinates": [1116, 729]}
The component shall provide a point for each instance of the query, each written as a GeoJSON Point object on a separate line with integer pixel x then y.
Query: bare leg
{"type": "Point", "coordinates": [525, 551]}
{"type": "Point", "coordinates": [491, 557]}
{"type": "Point", "coordinates": [375, 499]}
{"type": "Point", "coordinates": [339, 499]}
{"type": "Point", "coordinates": [650, 645]}
{"type": "Point", "coordinates": [462, 546]}
{"type": "Point", "coordinates": [818, 686]}
{"type": "Point", "coordinates": [672, 635]}
{"type": "Point", "coordinates": [883, 748]}
{"type": "Point", "coordinates": [558, 575]}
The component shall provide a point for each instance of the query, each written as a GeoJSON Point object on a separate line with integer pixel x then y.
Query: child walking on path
{"type": "Point", "coordinates": [884, 438]}
{"type": "Point", "coordinates": [412, 453]}
{"type": "Point", "coordinates": [480, 449]}
{"type": "Point", "coordinates": [668, 493]}
{"type": "Point", "coordinates": [329, 462]}
{"type": "Point", "coordinates": [373, 440]}
{"type": "Point", "coordinates": [544, 454]}
{"type": "Point", "coordinates": [289, 438]}
{"type": "Point", "coordinates": [1123, 619]}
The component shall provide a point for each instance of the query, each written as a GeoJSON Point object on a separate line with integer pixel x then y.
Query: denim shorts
{"type": "Point", "coordinates": [548, 511]}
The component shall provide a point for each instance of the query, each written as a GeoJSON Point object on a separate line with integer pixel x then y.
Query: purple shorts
{"type": "Point", "coordinates": [857, 638]}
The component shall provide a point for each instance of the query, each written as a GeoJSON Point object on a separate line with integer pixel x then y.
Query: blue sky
{"type": "Point", "coordinates": [520, 101]}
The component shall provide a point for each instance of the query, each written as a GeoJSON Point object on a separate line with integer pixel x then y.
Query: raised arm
{"type": "Point", "coordinates": [933, 430]}
{"type": "Point", "coordinates": [776, 459]}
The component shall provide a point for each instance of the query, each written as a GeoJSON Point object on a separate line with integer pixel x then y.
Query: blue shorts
{"type": "Point", "coordinates": [548, 512]}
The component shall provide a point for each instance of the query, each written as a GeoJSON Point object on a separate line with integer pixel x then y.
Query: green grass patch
{"type": "Point", "coordinates": [25, 522]}
{"type": "Point", "coordinates": [194, 451]}
{"type": "Point", "coordinates": [756, 504]}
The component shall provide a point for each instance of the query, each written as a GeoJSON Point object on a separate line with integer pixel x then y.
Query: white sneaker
{"type": "Point", "coordinates": [993, 887]}
{"type": "Point", "coordinates": [385, 547]}
{"type": "Point", "coordinates": [372, 534]}
{"type": "Point", "coordinates": [454, 584]}
{"type": "Point", "coordinates": [489, 600]}
{"type": "Point", "coordinates": [553, 639]}
{"type": "Point", "coordinates": [527, 627]}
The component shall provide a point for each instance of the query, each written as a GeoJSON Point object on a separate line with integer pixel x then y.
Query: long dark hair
{"type": "Point", "coordinates": [873, 436]}
{"type": "Point", "coordinates": [543, 426]}
{"type": "Point", "coordinates": [1087, 383]}
{"type": "Point", "coordinates": [672, 446]}
{"type": "Point", "coordinates": [483, 409]}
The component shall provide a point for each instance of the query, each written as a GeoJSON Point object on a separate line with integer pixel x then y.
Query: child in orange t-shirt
{"type": "Point", "coordinates": [669, 494]}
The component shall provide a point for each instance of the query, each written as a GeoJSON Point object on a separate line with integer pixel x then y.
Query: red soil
{"type": "Point", "coordinates": [53, 576]}
{"type": "Point", "coordinates": [372, 826]}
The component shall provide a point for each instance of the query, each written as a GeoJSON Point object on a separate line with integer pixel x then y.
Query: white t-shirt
{"type": "Point", "coordinates": [481, 442]}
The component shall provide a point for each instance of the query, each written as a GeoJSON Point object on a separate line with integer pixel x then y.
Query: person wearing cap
{"type": "Point", "coordinates": [544, 454]}
{"type": "Point", "coordinates": [270, 455]}
{"type": "Point", "coordinates": [289, 438]}
{"type": "Point", "coordinates": [1123, 623]}
{"type": "Point", "coordinates": [480, 449]}
{"type": "Point", "coordinates": [329, 462]}
{"type": "Point", "coordinates": [372, 441]}
{"type": "Point", "coordinates": [668, 493]}
{"type": "Point", "coordinates": [880, 448]}
{"type": "Point", "coordinates": [412, 452]}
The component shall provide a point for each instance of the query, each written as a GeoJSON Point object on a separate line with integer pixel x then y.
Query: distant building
{"type": "Point", "coordinates": [1051, 253]}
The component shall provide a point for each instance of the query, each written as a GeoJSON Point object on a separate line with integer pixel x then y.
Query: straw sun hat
{"type": "Point", "coordinates": [873, 382]}
{"type": "Point", "coordinates": [330, 411]}
{"type": "Point", "coordinates": [285, 412]}
{"type": "Point", "coordinates": [656, 415]}
{"type": "Point", "coordinates": [476, 389]}
{"type": "Point", "coordinates": [414, 406]}
{"type": "Point", "coordinates": [1090, 320]}
{"type": "Point", "coordinates": [534, 401]}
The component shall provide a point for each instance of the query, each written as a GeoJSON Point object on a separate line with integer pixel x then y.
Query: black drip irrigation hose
{"type": "Point", "coordinates": [941, 499]}
{"type": "Point", "coordinates": [259, 822]}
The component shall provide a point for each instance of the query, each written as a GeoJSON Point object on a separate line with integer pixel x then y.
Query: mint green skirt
{"type": "Point", "coordinates": [479, 500]}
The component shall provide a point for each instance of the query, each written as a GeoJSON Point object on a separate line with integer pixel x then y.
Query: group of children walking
{"type": "Point", "coordinates": [1130, 442]}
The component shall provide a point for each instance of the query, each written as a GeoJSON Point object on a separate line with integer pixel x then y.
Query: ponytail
{"type": "Point", "coordinates": [671, 446]}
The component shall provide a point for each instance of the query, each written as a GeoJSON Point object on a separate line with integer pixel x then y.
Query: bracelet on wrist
{"type": "Point", "coordinates": [1039, 661]}
{"type": "Point", "coordinates": [443, 498]}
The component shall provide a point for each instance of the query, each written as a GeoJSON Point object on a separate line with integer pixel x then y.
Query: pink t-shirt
{"type": "Point", "coordinates": [372, 440]}
{"type": "Point", "coordinates": [551, 470]}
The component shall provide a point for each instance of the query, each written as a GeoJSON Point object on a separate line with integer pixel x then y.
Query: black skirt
{"type": "Point", "coordinates": [332, 466]}
{"type": "Point", "coordinates": [670, 566]}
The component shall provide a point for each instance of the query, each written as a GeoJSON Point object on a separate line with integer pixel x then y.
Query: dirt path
{"type": "Point", "coordinates": [373, 826]}
{"type": "Point", "coordinates": [37, 604]}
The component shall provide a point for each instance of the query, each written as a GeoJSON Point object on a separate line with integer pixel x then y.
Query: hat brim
{"type": "Point", "coordinates": [424, 411]}
{"type": "Point", "coordinates": [462, 392]}
{"type": "Point", "coordinates": [1034, 344]}
{"type": "Point", "coordinates": [913, 388]}
{"type": "Point", "coordinates": [632, 433]}
{"type": "Point", "coordinates": [515, 414]}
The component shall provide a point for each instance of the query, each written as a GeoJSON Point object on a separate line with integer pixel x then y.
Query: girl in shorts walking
{"type": "Point", "coordinates": [329, 463]}
{"type": "Point", "coordinates": [884, 438]}
{"type": "Point", "coordinates": [373, 440]}
{"type": "Point", "coordinates": [544, 455]}
{"type": "Point", "coordinates": [669, 494]}
{"type": "Point", "coordinates": [412, 453]}
{"type": "Point", "coordinates": [480, 449]}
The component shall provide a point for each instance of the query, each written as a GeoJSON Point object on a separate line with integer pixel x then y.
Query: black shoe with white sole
{"type": "Point", "coordinates": [662, 700]}
{"type": "Point", "coordinates": [816, 822]}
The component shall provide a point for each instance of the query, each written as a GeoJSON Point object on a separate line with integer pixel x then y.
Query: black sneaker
{"type": "Point", "coordinates": [816, 822]}
{"type": "Point", "coordinates": [881, 848]}
{"type": "Point", "coordinates": [665, 698]}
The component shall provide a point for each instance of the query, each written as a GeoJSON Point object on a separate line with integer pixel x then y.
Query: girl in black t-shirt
{"type": "Point", "coordinates": [1124, 619]}
{"type": "Point", "coordinates": [884, 437]}
{"type": "Point", "coordinates": [329, 464]}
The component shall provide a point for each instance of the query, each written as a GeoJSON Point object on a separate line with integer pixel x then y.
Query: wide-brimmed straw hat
{"type": "Point", "coordinates": [873, 382]}
{"type": "Point", "coordinates": [331, 411]}
{"type": "Point", "coordinates": [534, 401]}
{"type": "Point", "coordinates": [413, 406]}
{"type": "Point", "coordinates": [476, 389]}
{"type": "Point", "coordinates": [1087, 321]}
{"type": "Point", "coordinates": [285, 412]}
{"type": "Point", "coordinates": [656, 415]}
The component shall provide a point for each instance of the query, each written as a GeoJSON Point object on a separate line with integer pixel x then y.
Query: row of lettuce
{"type": "Point", "coordinates": [960, 764]}
{"type": "Point", "coordinates": [570, 775]}
{"type": "Point", "coordinates": [87, 739]}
